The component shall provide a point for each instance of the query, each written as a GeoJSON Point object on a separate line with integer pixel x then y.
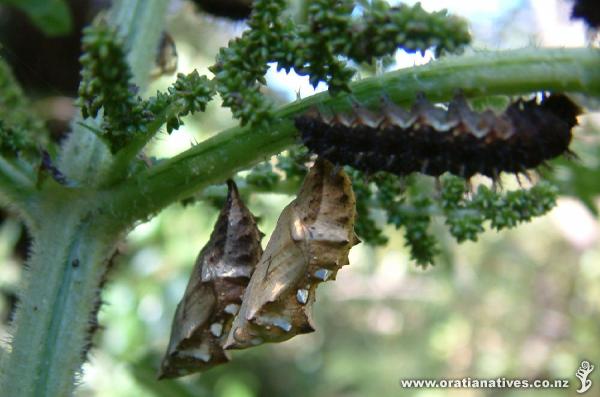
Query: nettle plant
{"type": "Point", "coordinates": [80, 198]}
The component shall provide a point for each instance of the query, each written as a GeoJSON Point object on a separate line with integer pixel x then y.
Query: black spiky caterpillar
{"type": "Point", "coordinates": [433, 140]}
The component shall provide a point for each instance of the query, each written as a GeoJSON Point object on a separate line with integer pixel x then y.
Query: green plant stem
{"type": "Point", "coordinates": [489, 73]}
{"type": "Point", "coordinates": [67, 264]}
{"type": "Point", "coordinates": [122, 160]}
{"type": "Point", "coordinates": [73, 241]}
{"type": "Point", "coordinates": [219, 192]}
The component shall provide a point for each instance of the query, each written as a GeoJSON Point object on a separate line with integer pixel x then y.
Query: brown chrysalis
{"type": "Point", "coordinates": [310, 243]}
{"type": "Point", "coordinates": [213, 295]}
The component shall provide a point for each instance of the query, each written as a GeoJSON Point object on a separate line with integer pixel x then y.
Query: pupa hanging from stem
{"type": "Point", "coordinates": [213, 295]}
{"type": "Point", "coordinates": [309, 245]}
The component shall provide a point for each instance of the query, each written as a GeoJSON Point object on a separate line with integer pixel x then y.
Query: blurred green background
{"type": "Point", "coordinates": [523, 303]}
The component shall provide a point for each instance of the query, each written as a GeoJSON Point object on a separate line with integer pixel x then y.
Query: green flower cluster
{"type": "Point", "coordinates": [464, 217]}
{"type": "Point", "coordinates": [20, 130]}
{"type": "Point", "coordinates": [263, 176]}
{"type": "Point", "coordinates": [105, 84]}
{"type": "Point", "coordinates": [411, 207]}
{"type": "Point", "coordinates": [368, 197]}
{"type": "Point", "coordinates": [317, 49]}
{"type": "Point", "coordinates": [415, 216]}
{"type": "Point", "coordinates": [320, 42]}
{"type": "Point", "coordinates": [189, 94]}
{"type": "Point", "coordinates": [404, 204]}
{"type": "Point", "coordinates": [289, 166]}
{"type": "Point", "coordinates": [383, 29]}
{"type": "Point", "coordinates": [241, 67]}
{"type": "Point", "coordinates": [14, 140]}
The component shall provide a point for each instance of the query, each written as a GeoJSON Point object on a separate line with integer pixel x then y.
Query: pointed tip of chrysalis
{"type": "Point", "coordinates": [231, 185]}
{"type": "Point", "coordinates": [165, 371]}
{"type": "Point", "coordinates": [233, 196]}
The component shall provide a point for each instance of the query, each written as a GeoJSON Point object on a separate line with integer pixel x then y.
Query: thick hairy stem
{"type": "Point", "coordinates": [493, 73]}
{"type": "Point", "coordinates": [73, 241]}
{"type": "Point", "coordinates": [53, 321]}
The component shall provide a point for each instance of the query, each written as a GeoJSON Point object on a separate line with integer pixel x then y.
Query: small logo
{"type": "Point", "coordinates": [585, 368]}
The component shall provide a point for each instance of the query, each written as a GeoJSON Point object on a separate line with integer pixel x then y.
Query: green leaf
{"type": "Point", "coordinates": [52, 17]}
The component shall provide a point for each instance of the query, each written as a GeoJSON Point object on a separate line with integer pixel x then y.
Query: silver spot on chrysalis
{"type": "Point", "coordinates": [302, 296]}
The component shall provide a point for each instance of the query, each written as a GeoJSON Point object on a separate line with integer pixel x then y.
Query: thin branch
{"type": "Point", "coordinates": [488, 73]}
{"type": "Point", "coordinates": [123, 159]}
